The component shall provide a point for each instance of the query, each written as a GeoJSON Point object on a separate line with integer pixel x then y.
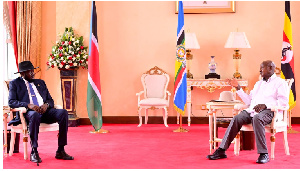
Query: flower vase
{"type": "Point", "coordinates": [68, 89]}
{"type": "Point", "coordinates": [212, 68]}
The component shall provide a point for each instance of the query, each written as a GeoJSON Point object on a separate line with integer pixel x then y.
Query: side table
{"type": "Point", "coordinates": [212, 109]}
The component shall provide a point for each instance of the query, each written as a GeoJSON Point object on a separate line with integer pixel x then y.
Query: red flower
{"type": "Point", "coordinates": [82, 67]}
{"type": "Point", "coordinates": [74, 55]}
{"type": "Point", "coordinates": [60, 48]}
{"type": "Point", "coordinates": [63, 42]}
{"type": "Point", "coordinates": [47, 63]}
{"type": "Point", "coordinates": [87, 59]}
{"type": "Point", "coordinates": [62, 62]}
{"type": "Point", "coordinates": [81, 47]}
{"type": "Point", "coordinates": [80, 61]}
{"type": "Point", "coordinates": [79, 52]}
{"type": "Point", "coordinates": [70, 42]}
{"type": "Point", "coordinates": [71, 64]}
{"type": "Point", "coordinates": [70, 58]}
{"type": "Point", "coordinates": [51, 54]}
{"type": "Point", "coordinates": [60, 55]}
{"type": "Point", "coordinates": [52, 66]}
{"type": "Point", "coordinates": [52, 57]}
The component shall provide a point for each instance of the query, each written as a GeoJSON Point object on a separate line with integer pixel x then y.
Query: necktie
{"type": "Point", "coordinates": [33, 96]}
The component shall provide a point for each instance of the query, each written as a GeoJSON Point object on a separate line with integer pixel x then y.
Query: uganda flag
{"type": "Point", "coordinates": [287, 56]}
{"type": "Point", "coordinates": [180, 83]}
{"type": "Point", "coordinates": [93, 103]}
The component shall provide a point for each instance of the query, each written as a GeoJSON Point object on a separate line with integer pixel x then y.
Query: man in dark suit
{"type": "Point", "coordinates": [33, 94]}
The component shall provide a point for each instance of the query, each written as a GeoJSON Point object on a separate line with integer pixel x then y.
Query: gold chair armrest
{"type": "Point", "coordinates": [275, 109]}
{"type": "Point", "coordinates": [240, 107]}
{"type": "Point", "coordinates": [19, 109]}
{"type": "Point", "coordinates": [139, 95]}
{"type": "Point", "coordinates": [169, 94]}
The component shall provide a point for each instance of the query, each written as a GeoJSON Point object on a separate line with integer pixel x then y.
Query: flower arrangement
{"type": "Point", "coordinates": [68, 52]}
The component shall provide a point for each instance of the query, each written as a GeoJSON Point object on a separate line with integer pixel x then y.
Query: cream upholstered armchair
{"type": "Point", "coordinates": [277, 125]}
{"type": "Point", "coordinates": [155, 83]}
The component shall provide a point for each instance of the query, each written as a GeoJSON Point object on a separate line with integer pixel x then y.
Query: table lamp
{"type": "Point", "coordinates": [190, 43]}
{"type": "Point", "coordinates": [237, 40]}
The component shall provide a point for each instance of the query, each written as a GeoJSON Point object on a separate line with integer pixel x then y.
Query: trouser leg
{"type": "Point", "coordinates": [259, 121]}
{"type": "Point", "coordinates": [234, 127]}
{"type": "Point", "coordinates": [34, 119]}
{"type": "Point", "coordinates": [61, 116]}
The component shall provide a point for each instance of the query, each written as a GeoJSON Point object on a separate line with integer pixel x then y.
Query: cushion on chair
{"type": "Point", "coordinates": [155, 86]}
{"type": "Point", "coordinates": [43, 127]}
{"type": "Point", "coordinates": [153, 102]}
{"type": "Point", "coordinates": [279, 125]}
{"type": "Point", "coordinates": [49, 127]}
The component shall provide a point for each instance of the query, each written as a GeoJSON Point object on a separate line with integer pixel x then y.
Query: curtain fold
{"type": "Point", "coordinates": [29, 31]}
{"type": "Point", "coordinates": [13, 29]}
{"type": "Point", "coordinates": [22, 20]}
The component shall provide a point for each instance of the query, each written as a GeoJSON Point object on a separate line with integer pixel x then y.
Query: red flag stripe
{"type": "Point", "coordinates": [94, 69]}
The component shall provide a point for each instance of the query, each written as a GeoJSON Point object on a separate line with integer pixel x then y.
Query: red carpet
{"type": "Point", "coordinates": [151, 146]}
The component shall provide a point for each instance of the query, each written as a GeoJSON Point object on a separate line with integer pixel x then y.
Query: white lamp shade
{"type": "Point", "coordinates": [237, 40]}
{"type": "Point", "coordinates": [191, 41]}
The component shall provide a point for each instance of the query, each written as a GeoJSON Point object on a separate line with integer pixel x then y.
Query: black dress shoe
{"type": "Point", "coordinates": [218, 154]}
{"type": "Point", "coordinates": [34, 157]}
{"type": "Point", "coordinates": [263, 158]}
{"type": "Point", "coordinates": [63, 155]}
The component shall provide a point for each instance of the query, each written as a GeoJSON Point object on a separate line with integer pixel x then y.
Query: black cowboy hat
{"type": "Point", "coordinates": [25, 66]}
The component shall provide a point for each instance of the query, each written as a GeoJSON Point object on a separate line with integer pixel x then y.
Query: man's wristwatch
{"type": "Point", "coordinates": [47, 105]}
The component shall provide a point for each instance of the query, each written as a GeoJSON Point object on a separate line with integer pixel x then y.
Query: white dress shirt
{"type": "Point", "coordinates": [37, 94]}
{"type": "Point", "coordinates": [273, 92]}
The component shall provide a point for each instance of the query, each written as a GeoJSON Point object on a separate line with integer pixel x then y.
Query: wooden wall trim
{"type": "Point", "coordinates": [155, 120]}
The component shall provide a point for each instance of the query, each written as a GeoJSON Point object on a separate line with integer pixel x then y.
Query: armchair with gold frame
{"type": "Point", "coordinates": [156, 96]}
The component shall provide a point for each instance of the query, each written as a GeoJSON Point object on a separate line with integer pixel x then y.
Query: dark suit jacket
{"type": "Point", "coordinates": [18, 93]}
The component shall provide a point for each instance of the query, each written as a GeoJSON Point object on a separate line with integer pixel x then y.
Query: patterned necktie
{"type": "Point", "coordinates": [33, 96]}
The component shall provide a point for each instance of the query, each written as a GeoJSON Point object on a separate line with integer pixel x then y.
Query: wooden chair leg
{"type": "Point", "coordinates": [177, 118]}
{"type": "Point", "coordinates": [5, 133]}
{"type": "Point", "coordinates": [140, 117]}
{"type": "Point", "coordinates": [285, 143]}
{"type": "Point", "coordinates": [272, 146]}
{"type": "Point", "coordinates": [146, 116]}
{"type": "Point", "coordinates": [237, 141]}
{"type": "Point", "coordinates": [165, 116]}
{"type": "Point", "coordinates": [12, 142]}
{"type": "Point", "coordinates": [25, 140]}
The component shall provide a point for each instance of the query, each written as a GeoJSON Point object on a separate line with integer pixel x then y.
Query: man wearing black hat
{"type": "Point", "coordinates": [33, 94]}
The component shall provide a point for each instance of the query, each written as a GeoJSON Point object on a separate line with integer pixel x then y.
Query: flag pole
{"type": "Point", "coordinates": [94, 104]}
{"type": "Point", "coordinates": [290, 130]}
{"type": "Point", "coordinates": [180, 129]}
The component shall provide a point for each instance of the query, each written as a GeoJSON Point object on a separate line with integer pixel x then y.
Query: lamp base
{"type": "Point", "coordinates": [237, 75]}
{"type": "Point", "coordinates": [212, 75]}
{"type": "Point", "coordinates": [189, 75]}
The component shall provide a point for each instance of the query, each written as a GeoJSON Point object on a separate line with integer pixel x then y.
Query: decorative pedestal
{"type": "Point", "coordinates": [212, 75]}
{"type": "Point", "coordinates": [68, 89]}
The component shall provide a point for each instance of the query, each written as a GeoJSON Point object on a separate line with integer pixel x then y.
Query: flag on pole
{"type": "Point", "coordinates": [287, 57]}
{"type": "Point", "coordinates": [93, 103]}
{"type": "Point", "coordinates": [180, 83]}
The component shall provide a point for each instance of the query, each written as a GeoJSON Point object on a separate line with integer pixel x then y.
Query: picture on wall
{"type": "Point", "coordinates": [198, 7]}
